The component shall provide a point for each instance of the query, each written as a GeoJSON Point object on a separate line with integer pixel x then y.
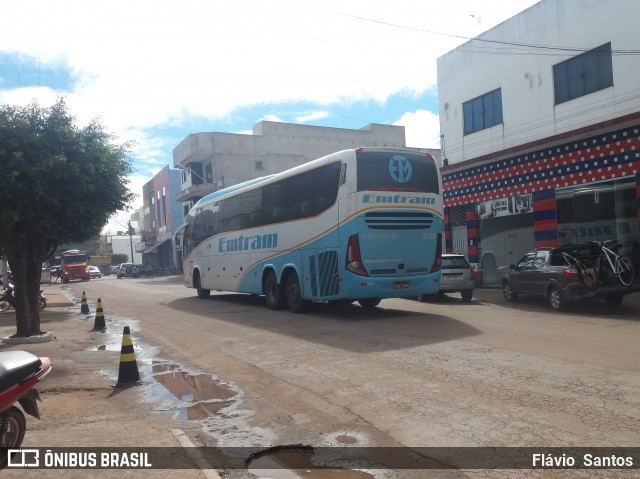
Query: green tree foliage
{"type": "Point", "coordinates": [119, 258]}
{"type": "Point", "coordinates": [58, 184]}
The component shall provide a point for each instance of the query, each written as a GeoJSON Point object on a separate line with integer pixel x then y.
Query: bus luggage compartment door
{"type": "Point", "coordinates": [323, 273]}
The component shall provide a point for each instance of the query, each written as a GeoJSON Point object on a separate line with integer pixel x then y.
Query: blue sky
{"type": "Point", "coordinates": [154, 71]}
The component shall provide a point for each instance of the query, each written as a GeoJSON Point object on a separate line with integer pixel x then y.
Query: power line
{"type": "Point", "coordinates": [462, 37]}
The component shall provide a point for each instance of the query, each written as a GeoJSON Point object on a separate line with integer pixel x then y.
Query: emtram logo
{"type": "Point", "coordinates": [400, 169]}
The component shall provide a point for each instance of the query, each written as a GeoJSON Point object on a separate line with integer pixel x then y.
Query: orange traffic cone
{"type": "Point", "coordinates": [99, 323]}
{"type": "Point", "coordinates": [128, 374]}
{"type": "Point", "coordinates": [84, 307]}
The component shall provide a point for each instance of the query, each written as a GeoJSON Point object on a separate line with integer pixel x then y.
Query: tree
{"type": "Point", "coordinates": [118, 258]}
{"type": "Point", "coordinates": [59, 184]}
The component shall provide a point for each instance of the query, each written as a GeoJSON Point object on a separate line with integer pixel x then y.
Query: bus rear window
{"type": "Point", "coordinates": [389, 171]}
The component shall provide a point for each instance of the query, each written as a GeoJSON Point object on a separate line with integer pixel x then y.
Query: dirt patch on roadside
{"type": "Point", "coordinates": [80, 405]}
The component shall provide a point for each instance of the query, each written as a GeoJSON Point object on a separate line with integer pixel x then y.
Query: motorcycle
{"type": "Point", "coordinates": [19, 373]}
{"type": "Point", "coordinates": [8, 299]}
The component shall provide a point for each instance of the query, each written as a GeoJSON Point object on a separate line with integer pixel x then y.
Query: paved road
{"type": "Point", "coordinates": [412, 374]}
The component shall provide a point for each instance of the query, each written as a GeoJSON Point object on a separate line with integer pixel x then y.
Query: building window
{"type": "Point", "coordinates": [483, 112]}
{"type": "Point", "coordinates": [584, 74]}
{"type": "Point", "coordinates": [259, 165]}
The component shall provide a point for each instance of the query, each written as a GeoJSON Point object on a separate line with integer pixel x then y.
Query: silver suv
{"type": "Point", "coordinates": [128, 269]}
{"type": "Point", "coordinates": [456, 277]}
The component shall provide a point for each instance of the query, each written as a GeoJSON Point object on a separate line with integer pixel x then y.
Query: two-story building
{"type": "Point", "coordinates": [162, 215]}
{"type": "Point", "coordinates": [540, 124]}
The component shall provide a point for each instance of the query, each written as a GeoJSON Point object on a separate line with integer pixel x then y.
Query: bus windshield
{"type": "Point", "coordinates": [397, 171]}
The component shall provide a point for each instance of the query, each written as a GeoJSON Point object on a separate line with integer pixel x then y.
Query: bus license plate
{"type": "Point", "coordinates": [400, 284]}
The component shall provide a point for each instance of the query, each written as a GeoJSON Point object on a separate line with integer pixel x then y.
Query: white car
{"type": "Point", "coordinates": [94, 272]}
{"type": "Point", "coordinates": [457, 277]}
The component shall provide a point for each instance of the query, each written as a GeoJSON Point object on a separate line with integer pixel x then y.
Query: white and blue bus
{"type": "Point", "coordinates": [358, 225]}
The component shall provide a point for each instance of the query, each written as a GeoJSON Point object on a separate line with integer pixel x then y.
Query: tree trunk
{"type": "Point", "coordinates": [26, 269]}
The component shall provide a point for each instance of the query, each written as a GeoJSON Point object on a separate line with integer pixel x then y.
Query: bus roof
{"type": "Point", "coordinates": [298, 169]}
{"type": "Point", "coordinates": [231, 189]}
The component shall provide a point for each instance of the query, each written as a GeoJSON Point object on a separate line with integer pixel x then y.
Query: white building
{"type": "Point", "coordinates": [122, 244]}
{"type": "Point", "coordinates": [540, 120]}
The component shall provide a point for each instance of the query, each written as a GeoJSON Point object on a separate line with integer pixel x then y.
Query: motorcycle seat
{"type": "Point", "coordinates": [16, 366]}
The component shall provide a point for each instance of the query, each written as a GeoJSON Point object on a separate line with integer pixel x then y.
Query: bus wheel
{"type": "Point", "coordinates": [272, 292]}
{"type": "Point", "coordinates": [294, 294]}
{"type": "Point", "coordinates": [369, 303]}
{"type": "Point", "coordinates": [202, 293]}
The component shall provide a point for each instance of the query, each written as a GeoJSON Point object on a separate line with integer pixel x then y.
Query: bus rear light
{"type": "Point", "coordinates": [354, 260]}
{"type": "Point", "coordinates": [437, 261]}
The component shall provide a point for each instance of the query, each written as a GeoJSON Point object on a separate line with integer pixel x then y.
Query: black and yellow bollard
{"type": "Point", "coordinates": [84, 307]}
{"type": "Point", "coordinates": [99, 323]}
{"type": "Point", "coordinates": [128, 374]}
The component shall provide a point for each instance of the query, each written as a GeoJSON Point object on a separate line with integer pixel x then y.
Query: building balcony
{"type": "Point", "coordinates": [195, 192]}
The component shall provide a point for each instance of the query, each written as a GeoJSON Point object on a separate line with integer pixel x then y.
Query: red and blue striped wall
{"type": "Point", "coordinates": [602, 157]}
{"type": "Point", "coordinates": [545, 218]}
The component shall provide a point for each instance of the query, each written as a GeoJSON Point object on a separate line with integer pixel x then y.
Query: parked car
{"type": "Point", "coordinates": [545, 272]}
{"type": "Point", "coordinates": [106, 270]}
{"type": "Point", "coordinates": [94, 272]}
{"type": "Point", "coordinates": [457, 277]}
{"type": "Point", "coordinates": [128, 269]}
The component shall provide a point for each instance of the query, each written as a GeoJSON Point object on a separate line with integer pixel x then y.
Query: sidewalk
{"type": "Point", "coordinates": [55, 296]}
{"type": "Point", "coordinates": [80, 406]}
{"type": "Point", "coordinates": [493, 294]}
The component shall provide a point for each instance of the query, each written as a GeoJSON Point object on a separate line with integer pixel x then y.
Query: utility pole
{"type": "Point", "coordinates": [131, 239]}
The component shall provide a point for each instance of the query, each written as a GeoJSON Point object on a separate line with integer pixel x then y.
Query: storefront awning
{"type": "Point", "coordinates": [154, 248]}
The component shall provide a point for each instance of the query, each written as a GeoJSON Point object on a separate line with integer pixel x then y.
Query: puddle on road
{"type": "Point", "coordinates": [200, 395]}
{"type": "Point", "coordinates": [285, 463]}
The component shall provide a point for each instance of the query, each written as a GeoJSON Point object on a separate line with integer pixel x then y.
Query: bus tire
{"type": "Point", "coordinates": [273, 292]}
{"type": "Point", "coordinates": [369, 303]}
{"type": "Point", "coordinates": [296, 302]}
{"type": "Point", "coordinates": [202, 293]}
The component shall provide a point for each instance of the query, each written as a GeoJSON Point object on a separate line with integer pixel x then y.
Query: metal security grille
{"type": "Point", "coordinates": [458, 216]}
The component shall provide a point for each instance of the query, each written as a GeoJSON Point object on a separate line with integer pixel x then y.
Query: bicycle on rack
{"type": "Point", "coordinates": [586, 272]}
{"type": "Point", "coordinates": [610, 263]}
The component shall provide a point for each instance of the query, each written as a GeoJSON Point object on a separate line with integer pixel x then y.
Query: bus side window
{"type": "Point", "coordinates": [305, 209]}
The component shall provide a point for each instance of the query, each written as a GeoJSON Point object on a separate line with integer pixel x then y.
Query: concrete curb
{"type": "Point", "coordinates": [39, 338]}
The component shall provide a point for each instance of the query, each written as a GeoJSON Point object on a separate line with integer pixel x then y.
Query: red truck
{"type": "Point", "coordinates": [75, 265]}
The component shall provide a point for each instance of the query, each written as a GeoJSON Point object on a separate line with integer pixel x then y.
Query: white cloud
{"type": "Point", "coordinates": [422, 129]}
{"type": "Point", "coordinates": [118, 222]}
{"type": "Point", "coordinates": [272, 118]}
{"type": "Point", "coordinates": [145, 63]}
{"type": "Point", "coordinates": [311, 116]}
{"type": "Point", "coordinates": [148, 63]}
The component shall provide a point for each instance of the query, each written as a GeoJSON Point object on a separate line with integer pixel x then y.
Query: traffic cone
{"type": "Point", "coordinates": [84, 307]}
{"type": "Point", "coordinates": [128, 374]}
{"type": "Point", "coordinates": [99, 324]}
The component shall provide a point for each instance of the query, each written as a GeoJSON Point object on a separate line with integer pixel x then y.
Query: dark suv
{"type": "Point", "coordinates": [546, 272]}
